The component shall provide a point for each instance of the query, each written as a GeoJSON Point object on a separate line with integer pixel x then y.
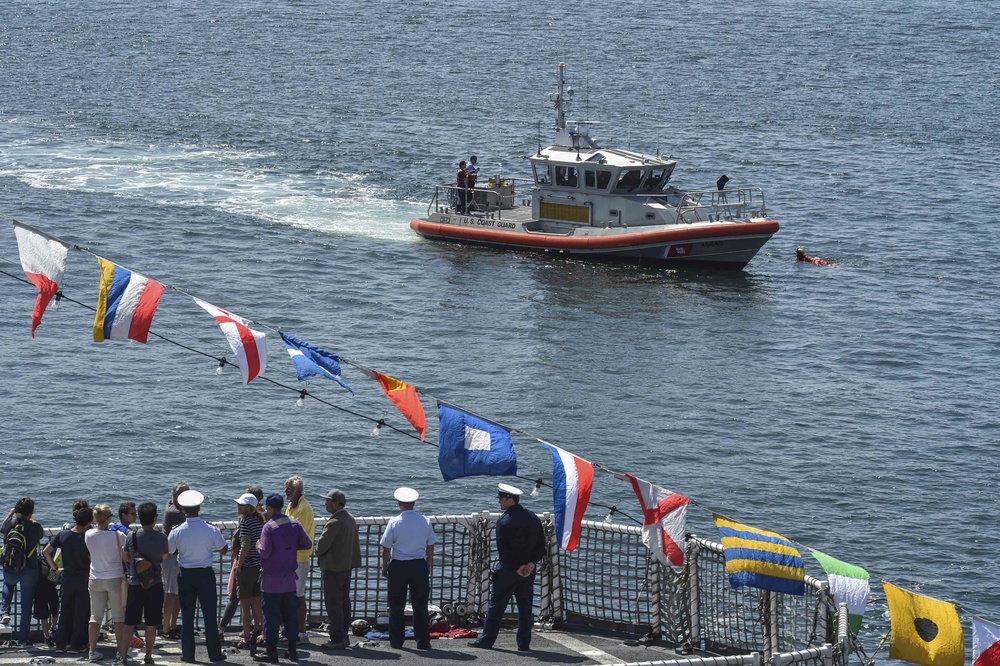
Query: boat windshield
{"type": "Point", "coordinates": [566, 176]}
{"type": "Point", "coordinates": [542, 174]}
{"type": "Point", "coordinates": [596, 180]}
{"type": "Point", "coordinates": [656, 180]}
{"type": "Point", "coordinates": [628, 180]}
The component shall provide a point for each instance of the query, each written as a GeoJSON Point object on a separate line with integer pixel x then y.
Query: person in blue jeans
{"type": "Point", "coordinates": [280, 541]}
{"type": "Point", "coordinates": [20, 518]}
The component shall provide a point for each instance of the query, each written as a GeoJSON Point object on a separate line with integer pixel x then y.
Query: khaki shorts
{"type": "Point", "coordinates": [106, 593]}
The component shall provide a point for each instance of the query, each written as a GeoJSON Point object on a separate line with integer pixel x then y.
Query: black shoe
{"type": "Point", "coordinates": [270, 656]}
{"type": "Point", "coordinates": [424, 646]}
{"type": "Point", "coordinates": [523, 648]}
{"type": "Point", "coordinates": [396, 646]}
{"type": "Point", "coordinates": [480, 644]}
{"type": "Point", "coordinates": [292, 653]}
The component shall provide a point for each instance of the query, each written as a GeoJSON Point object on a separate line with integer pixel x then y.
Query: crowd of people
{"type": "Point", "coordinates": [149, 575]}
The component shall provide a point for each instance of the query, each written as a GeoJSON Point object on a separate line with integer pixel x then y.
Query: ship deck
{"type": "Point", "coordinates": [547, 647]}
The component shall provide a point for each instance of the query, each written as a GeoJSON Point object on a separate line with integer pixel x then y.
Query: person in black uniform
{"type": "Point", "coordinates": [520, 546]}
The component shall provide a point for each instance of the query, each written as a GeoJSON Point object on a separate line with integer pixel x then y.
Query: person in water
{"type": "Point", "coordinates": [800, 255]}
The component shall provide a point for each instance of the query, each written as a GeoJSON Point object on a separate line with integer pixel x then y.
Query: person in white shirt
{"type": "Point", "coordinates": [407, 550]}
{"type": "Point", "coordinates": [196, 543]}
{"type": "Point", "coordinates": [106, 575]}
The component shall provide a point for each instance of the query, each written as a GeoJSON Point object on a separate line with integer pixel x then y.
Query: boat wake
{"type": "Point", "coordinates": [232, 181]}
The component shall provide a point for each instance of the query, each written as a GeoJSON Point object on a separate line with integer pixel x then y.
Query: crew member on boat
{"type": "Point", "coordinates": [472, 172]}
{"type": "Point", "coordinates": [461, 183]}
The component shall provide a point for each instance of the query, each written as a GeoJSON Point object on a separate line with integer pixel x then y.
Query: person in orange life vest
{"type": "Point", "coordinates": [461, 183]}
{"type": "Point", "coordinates": [800, 255]}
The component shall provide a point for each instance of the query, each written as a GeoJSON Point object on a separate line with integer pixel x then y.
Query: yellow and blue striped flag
{"type": "Point", "coordinates": [761, 559]}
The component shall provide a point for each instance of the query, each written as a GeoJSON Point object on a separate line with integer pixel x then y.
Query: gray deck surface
{"type": "Point", "coordinates": [548, 647]}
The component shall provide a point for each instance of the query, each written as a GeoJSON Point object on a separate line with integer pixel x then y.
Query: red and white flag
{"type": "Point", "coordinates": [985, 643]}
{"type": "Point", "coordinates": [43, 259]}
{"type": "Point", "coordinates": [250, 346]}
{"type": "Point", "coordinates": [664, 520]}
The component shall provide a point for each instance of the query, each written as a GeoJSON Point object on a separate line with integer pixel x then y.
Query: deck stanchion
{"type": "Point", "coordinates": [654, 575]}
{"type": "Point", "coordinates": [551, 584]}
{"type": "Point", "coordinates": [694, 605]}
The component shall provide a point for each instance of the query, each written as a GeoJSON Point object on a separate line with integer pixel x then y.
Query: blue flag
{"type": "Point", "coordinates": [471, 446]}
{"type": "Point", "coordinates": [310, 361]}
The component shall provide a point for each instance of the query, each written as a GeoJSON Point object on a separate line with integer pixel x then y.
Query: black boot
{"type": "Point", "coordinates": [292, 654]}
{"type": "Point", "coordinates": [270, 655]}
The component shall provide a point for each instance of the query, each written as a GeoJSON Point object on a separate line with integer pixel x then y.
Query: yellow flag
{"type": "Point", "coordinates": [924, 630]}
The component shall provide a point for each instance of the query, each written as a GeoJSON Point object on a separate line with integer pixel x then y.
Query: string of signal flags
{"type": "Point", "coordinates": [923, 630]}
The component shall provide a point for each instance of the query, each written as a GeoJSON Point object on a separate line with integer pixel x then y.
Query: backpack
{"type": "Point", "coordinates": [15, 549]}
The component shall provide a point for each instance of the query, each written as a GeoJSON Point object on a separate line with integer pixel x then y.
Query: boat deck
{"type": "Point", "coordinates": [548, 647]}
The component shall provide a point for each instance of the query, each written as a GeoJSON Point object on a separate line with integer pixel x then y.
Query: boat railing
{"type": "Point", "coordinates": [717, 205]}
{"type": "Point", "coordinates": [609, 582]}
{"type": "Point", "coordinates": [493, 197]}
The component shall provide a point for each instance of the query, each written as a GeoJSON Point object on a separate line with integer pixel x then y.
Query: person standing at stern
{"type": "Point", "coordinates": [338, 552]}
{"type": "Point", "coordinates": [520, 546]}
{"type": "Point", "coordinates": [407, 551]}
{"type": "Point", "coordinates": [300, 511]}
{"type": "Point", "coordinates": [196, 543]}
{"type": "Point", "coordinates": [280, 541]}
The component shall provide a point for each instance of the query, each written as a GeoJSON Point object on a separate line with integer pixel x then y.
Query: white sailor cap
{"type": "Point", "coordinates": [190, 499]}
{"type": "Point", "coordinates": [406, 495]}
{"type": "Point", "coordinates": [505, 489]}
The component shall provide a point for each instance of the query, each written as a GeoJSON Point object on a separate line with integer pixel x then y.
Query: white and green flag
{"type": "Point", "coordinates": [848, 585]}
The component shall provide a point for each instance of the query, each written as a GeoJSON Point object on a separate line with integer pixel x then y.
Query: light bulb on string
{"type": "Point", "coordinates": [377, 430]}
{"type": "Point", "coordinates": [302, 398]}
{"type": "Point", "coordinates": [222, 364]}
{"type": "Point", "coordinates": [534, 491]}
{"type": "Point", "coordinates": [611, 512]}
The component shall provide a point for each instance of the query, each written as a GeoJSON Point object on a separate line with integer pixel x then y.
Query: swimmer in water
{"type": "Point", "coordinates": [800, 255]}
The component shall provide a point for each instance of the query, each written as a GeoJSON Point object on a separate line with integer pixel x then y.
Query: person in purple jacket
{"type": "Point", "coordinates": [280, 541]}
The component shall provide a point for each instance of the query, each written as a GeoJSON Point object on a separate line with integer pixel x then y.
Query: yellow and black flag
{"type": "Point", "coordinates": [924, 630]}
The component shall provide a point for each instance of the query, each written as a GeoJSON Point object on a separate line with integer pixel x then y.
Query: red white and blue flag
{"type": "Point", "coordinates": [250, 346]}
{"type": "Point", "coordinates": [664, 521]}
{"type": "Point", "coordinates": [572, 481]}
{"type": "Point", "coordinates": [985, 643]}
{"type": "Point", "coordinates": [125, 305]}
{"type": "Point", "coordinates": [43, 259]}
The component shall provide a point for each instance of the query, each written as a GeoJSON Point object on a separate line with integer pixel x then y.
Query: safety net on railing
{"type": "Point", "coordinates": [609, 582]}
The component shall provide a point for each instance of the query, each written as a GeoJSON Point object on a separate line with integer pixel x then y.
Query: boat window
{"type": "Point", "coordinates": [655, 181]}
{"type": "Point", "coordinates": [566, 176]}
{"type": "Point", "coordinates": [542, 175]}
{"type": "Point", "coordinates": [628, 180]}
{"type": "Point", "coordinates": [596, 179]}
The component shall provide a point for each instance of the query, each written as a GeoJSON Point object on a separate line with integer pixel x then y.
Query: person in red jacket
{"type": "Point", "coordinates": [461, 187]}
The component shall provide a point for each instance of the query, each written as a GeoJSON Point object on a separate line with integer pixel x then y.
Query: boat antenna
{"type": "Point", "coordinates": [539, 138]}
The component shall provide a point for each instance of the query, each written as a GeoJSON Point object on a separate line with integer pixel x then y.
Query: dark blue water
{"type": "Point", "coordinates": [267, 157]}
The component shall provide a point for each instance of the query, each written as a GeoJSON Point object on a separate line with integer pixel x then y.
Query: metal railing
{"type": "Point", "coordinates": [609, 582]}
{"type": "Point", "coordinates": [717, 205]}
{"type": "Point", "coordinates": [495, 196]}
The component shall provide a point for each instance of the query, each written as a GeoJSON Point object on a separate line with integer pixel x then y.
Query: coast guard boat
{"type": "Point", "coordinates": [604, 203]}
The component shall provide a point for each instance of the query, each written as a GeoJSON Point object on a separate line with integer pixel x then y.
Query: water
{"type": "Point", "coordinates": [267, 158]}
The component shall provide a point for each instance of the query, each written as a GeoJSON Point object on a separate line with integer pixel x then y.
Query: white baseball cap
{"type": "Point", "coordinates": [406, 495]}
{"type": "Point", "coordinates": [247, 499]}
{"type": "Point", "coordinates": [190, 499]}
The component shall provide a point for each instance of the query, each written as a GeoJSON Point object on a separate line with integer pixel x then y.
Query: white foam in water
{"type": "Point", "coordinates": [221, 179]}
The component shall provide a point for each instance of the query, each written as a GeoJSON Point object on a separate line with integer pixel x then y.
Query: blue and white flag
{"type": "Point", "coordinates": [471, 446]}
{"type": "Point", "coordinates": [311, 361]}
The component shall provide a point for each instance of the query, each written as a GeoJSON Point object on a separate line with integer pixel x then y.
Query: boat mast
{"type": "Point", "coordinates": [562, 103]}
